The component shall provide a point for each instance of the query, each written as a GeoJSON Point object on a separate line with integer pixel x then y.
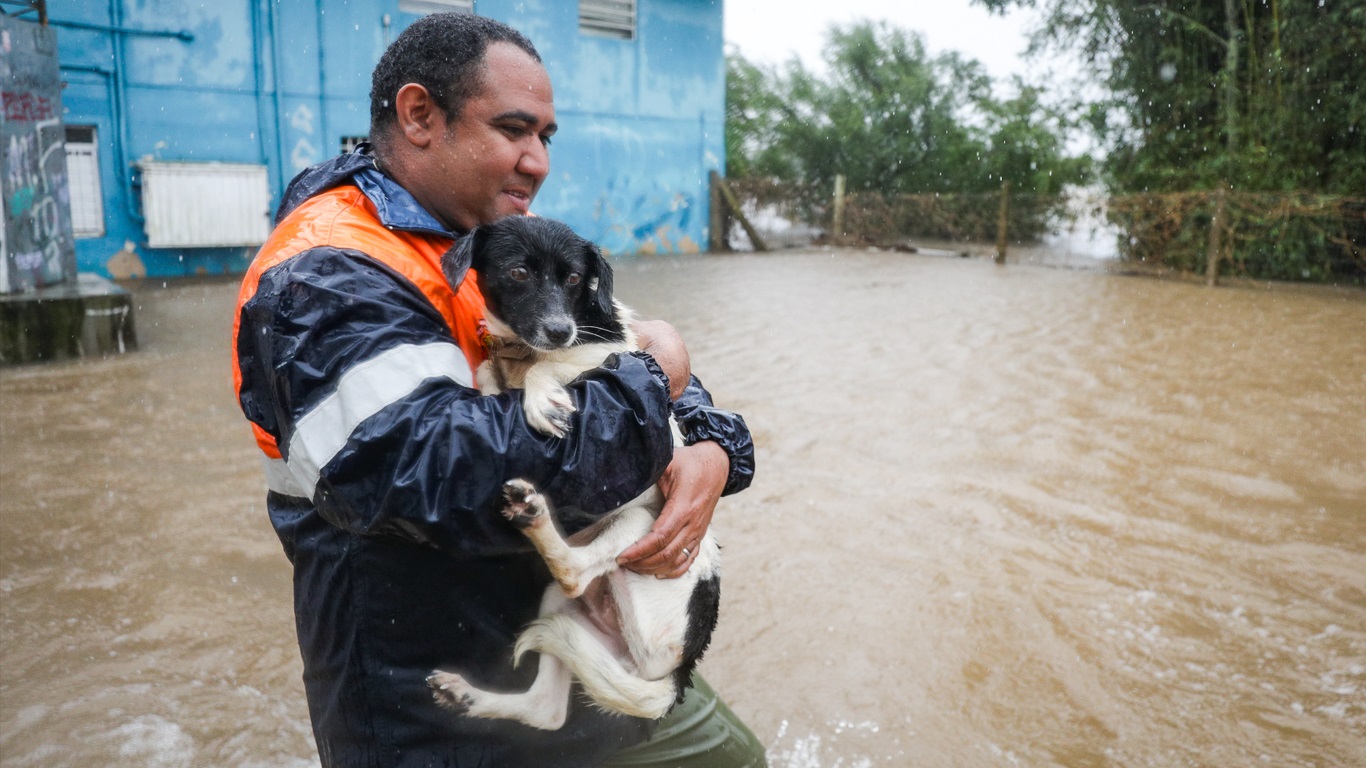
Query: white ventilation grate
{"type": "Point", "coordinates": [205, 205]}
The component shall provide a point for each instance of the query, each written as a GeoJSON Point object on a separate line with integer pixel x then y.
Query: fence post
{"type": "Point", "coordinates": [717, 234]}
{"type": "Point", "coordinates": [1216, 231]}
{"type": "Point", "coordinates": [837, 223]}
{"type": "Point", "coordinates": [1002, 219]}
{"type": "Point", "coordinates": [734, 209]}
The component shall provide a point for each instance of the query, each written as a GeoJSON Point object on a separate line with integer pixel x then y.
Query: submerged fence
{"type": "Point", "coordinates": [1281, 236]}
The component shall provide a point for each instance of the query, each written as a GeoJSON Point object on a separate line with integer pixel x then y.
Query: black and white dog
{"type": "Point", "coordinates": [631, 640]}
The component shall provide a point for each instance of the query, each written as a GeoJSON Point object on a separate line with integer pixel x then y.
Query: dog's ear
{"type": "Point", "coordinates": [599, 276]}
{"type": "Point", "coordinates": [463, 255]}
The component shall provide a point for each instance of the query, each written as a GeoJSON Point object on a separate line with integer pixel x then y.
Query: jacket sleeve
{"type": "Point", "coordinates": [356, 376]}
{"type": "Point", "coordinates": [700, 420]}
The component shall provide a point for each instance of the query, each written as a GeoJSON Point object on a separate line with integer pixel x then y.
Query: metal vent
{"type": "Point", "coordinates": [424, 7]}
{"type": "Point", "coordinates": [608, 18]}
{"type": "Point", "coordinates": [205, 205]}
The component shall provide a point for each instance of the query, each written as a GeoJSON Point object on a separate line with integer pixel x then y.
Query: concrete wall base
{"type": "Point", "coordinates": [90, 317]}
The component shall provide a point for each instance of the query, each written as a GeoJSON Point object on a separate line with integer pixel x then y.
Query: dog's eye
{"type": "Point", "coordinates": [520, 274]}
{"type": "Point", "coordinates": [574, 279]}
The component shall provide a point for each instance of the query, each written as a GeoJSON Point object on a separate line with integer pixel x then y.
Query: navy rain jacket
{"type": "Point", "coordinates": [385, 483]}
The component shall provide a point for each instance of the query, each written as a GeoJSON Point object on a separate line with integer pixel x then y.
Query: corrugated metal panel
{"type": "Point", "coordinates": [205, 205]}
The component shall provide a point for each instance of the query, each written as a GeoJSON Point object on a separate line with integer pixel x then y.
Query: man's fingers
{"type": "Point", "coordinates": [649, 545]}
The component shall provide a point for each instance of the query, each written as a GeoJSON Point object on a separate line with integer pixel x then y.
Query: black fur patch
{"type": "Point", "coordinates": [704, 608]}
{"type": "Point", "coordinates": [549, 252]}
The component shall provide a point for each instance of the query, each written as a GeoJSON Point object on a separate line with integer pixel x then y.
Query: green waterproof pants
{"type": "Point", "coordinates": [701, 732]}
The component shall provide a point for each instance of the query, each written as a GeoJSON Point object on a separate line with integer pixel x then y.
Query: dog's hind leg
{"type": "Point", "coordinates": [601, 673]}
{"type": "Point", "coordinates": [574, 568]}
{"type": "Point", "coordinates": [545, 705]}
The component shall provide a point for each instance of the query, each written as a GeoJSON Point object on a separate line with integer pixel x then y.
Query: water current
{"type": "Point", "coordinates": [1003, 516]}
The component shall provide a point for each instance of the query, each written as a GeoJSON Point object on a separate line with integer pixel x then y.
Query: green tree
{"type": "Point", "coordinates": [891, 119]}
{"type": "Point", "coordinates": [1267, 95]}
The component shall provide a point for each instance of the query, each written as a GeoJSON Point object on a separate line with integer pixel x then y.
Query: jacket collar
{"type": "Point", "coordinates": [396, 206]}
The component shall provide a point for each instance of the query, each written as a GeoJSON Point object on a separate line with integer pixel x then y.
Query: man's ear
{"type": "Point", "coordinates": [418, 114]}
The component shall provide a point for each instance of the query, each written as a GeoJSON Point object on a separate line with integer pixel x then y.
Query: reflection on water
{"type": "Point", "coordinates": [1003, 516]}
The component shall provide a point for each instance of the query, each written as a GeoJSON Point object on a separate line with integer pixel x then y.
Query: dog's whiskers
{"type": "Point", "coordinates": [588, 330]}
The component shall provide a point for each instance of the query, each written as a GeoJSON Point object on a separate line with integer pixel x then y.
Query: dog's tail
{"type": "Point", "coordinates": [610, 685]}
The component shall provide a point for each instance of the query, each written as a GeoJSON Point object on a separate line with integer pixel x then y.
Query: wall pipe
{"type": "Point", "coordinates": [258, 53]}
{"type": "Point", "coordinates": [117, 77]}
{"type": "Point", "coordinates": [183, 34]}
{"type": "Point", "coordinates": [273, 30]}
{"type": "Point", "coordinates": [323, 150]}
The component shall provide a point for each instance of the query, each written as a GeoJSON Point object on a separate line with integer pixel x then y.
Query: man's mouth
{"type": "Point", "coordinates": [520, 199]}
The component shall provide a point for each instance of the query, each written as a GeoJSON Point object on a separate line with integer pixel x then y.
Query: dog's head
{"type": "Point", "coordinates": [541, 282]}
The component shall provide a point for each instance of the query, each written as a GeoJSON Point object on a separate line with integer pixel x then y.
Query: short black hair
{"type": "Point", "coordinates": [443, 53]}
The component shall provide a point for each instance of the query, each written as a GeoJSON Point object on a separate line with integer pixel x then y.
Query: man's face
{"type": "Point", "coordinates": [491, 161]}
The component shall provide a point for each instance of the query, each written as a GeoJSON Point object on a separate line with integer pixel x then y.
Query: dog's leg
{"type": "Point", "coordinates": [487, 377]}
{"type": "Point", "coordinates": [546, 402]}
{"type": "Point", "coordinates": [544, 705]}
{"type": "Point", "coordinates": [573, 567]}
{"type": "Point", "coordinates": [609, 684]}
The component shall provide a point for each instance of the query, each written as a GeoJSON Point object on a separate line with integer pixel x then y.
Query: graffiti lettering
{"type": "Point", "coordinates": [304, 153]}
{"type": "Point", "coordinates": [28, 107]}
{"type": "Point", "coordinates": [35, 184]}
{"type": "Point", "coordinates": [29, 260]}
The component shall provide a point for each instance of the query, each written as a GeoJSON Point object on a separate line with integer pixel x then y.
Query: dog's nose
{"type": "Point", "coordinates": [558, 332]}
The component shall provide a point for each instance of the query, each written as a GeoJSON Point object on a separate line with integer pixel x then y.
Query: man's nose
{"type": "Point", "coordinates": [535, 162]}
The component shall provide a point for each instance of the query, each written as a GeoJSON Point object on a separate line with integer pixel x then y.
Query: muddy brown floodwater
{"type": "Point", "coordinates": [1003, 516]}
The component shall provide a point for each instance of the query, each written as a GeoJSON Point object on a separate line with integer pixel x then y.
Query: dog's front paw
{"type": "Point", "coordinates": [523, 505]}
{"type": "Point", "coordinates": [549, 411]}
{"type": "Point", "coordinates": [451, 691]}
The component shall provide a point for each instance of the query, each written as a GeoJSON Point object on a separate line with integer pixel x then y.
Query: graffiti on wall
{"type": "Point", "coordinates": [304, 153]}
{"type": "Point", "coordinates": [38, 249]}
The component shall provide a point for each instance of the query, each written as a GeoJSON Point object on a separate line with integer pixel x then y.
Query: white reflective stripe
{"type": "Point", "coordinates": [363, 391]}
{"type": "Point", "coordinates": [280, 480]}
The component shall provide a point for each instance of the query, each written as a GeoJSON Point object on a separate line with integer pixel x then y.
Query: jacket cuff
{"type": "Point", "coordinates": [652, 366]}
{"type": "Point", "coordinates": [726, 429]}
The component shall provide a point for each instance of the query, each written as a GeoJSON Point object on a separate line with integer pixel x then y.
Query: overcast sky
{"type": "Point", "coordinates": [772, 31]}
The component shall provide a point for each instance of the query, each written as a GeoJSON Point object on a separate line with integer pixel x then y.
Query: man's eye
{"type": "Point", "coordinates": [574, 279]}
{"type": "Point", "coordinates": [545, 140]}
{"type": "Point", "coordinates": [520, 274]}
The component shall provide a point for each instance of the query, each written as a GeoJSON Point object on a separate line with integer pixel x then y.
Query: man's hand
{"type": "Point", "coordinates": [692, 484]}
{"type": "Point", "coordinates": [659, 340]}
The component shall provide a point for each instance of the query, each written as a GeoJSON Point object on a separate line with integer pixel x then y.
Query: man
{"type": "Point", "coordinates": [353, 363]}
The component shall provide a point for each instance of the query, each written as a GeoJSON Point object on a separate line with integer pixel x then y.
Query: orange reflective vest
{"type": "Point", "coordinates": [345, 218]}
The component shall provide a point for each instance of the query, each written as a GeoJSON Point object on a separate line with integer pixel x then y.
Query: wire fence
{"type": "Point", "coordinates": [1284, 236]}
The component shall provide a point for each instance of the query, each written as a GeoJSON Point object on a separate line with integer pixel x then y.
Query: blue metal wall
{"type": "Point", "coordinates": [280, 82]}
